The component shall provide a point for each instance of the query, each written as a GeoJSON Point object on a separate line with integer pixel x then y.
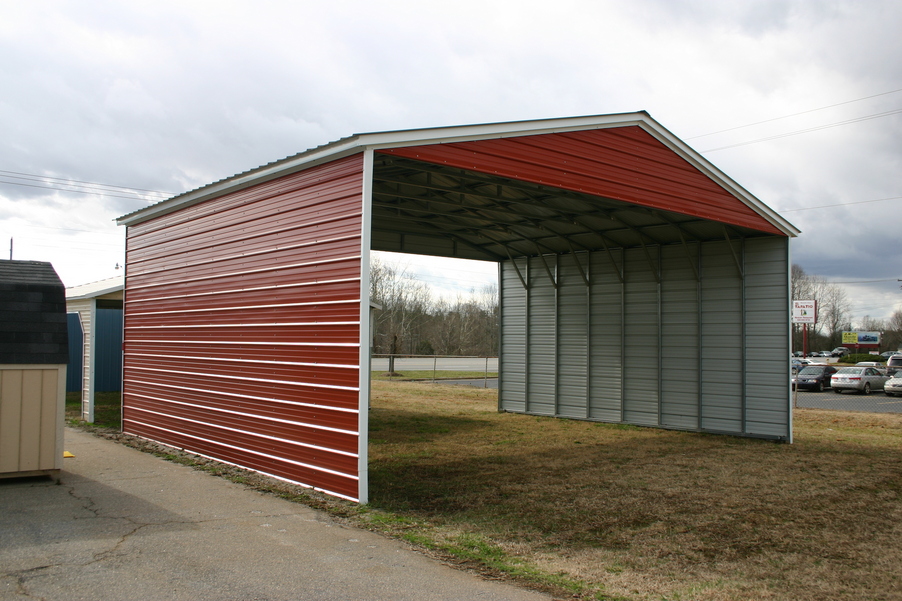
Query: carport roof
{"type": "Point", "coordinates": [501, 190]}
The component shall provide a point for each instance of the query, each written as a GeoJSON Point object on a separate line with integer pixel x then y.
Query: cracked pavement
{"type": "Point", "coordinates": [124, 524]}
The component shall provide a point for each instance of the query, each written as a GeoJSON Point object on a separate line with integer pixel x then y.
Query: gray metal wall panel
{"type": "Point", "coordinates": [679, 338]}
{"type": "Point", "coordinates": [606, 311]}
{"type": "Point", "coordinates": [694, 356]}
{"type": "Point", "coordinates": [542, 348]}
{"type": "Point", "coordinates": [512, 379]}
{"type": "Point", "coordinates": [573, 328]}
{"type": "Point", "coordinates": [641, 348]}
{"type": "Point", "coordinates": [721, 331]}
{"type": "Point", "coordinates": [767, 342]}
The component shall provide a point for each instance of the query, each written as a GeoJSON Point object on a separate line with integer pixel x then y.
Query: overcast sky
{"type": "Point", "coordinates": [800, 102]}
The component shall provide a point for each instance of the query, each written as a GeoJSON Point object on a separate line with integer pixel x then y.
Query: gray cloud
{"type": "Point", "coordinates": [171, 95]}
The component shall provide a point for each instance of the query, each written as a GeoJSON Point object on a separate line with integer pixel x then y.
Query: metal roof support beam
{"type": "Point", "coordinates": [689, 256]}
{"type": "Point", "coordinates": [502, 203]}
{"type": "Point", "coordinates": [547, 268]}
{"type": "Point", "coordinates": [456, 239]}
{"type": "Point", "coordinates": [613, 260]}
{"type": "Point", "coordinates": [579, 265]}
{"type": "Point", "coordinates": [682, 240]}
{"type": "Point", "coordinates": [448, 234]}
{"type": "Point", "coordinates": [514, 263]}
{"type": "Point", "coordinates": [533, 195]}
{"type": "Point", "coordinates": [655, 270]}
{"type": "Point", "coordinates": [726, 235]}
{"type": "Point", "coordinates": [453, 221]}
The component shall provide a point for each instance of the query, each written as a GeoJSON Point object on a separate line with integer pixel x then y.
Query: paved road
{"type": "Point", "coordinates": [124, 524]}
{"type": "Point", "coordinates": [480, 383]}
{"type": "Point", "coordinates": [438, 363]}
{"type": "Point", "coordinates": [876, 402]}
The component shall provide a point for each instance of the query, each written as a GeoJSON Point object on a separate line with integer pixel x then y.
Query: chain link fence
{"type": "Point", "coordinates": [863, 390]}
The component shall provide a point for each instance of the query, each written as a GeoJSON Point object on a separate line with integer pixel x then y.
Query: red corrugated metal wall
{"type": "Point", "coordinates": [242, 327]}
{"type": "Point", "coordinates": [623, 163]}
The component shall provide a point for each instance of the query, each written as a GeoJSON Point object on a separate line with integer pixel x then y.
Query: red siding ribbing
{"type": "Point", "coordinates": [242, 327]}
{"type": "Point", "coordinates": [624, 163]}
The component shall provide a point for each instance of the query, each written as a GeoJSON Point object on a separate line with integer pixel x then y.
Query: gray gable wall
{"type": "Point", "coordinates": [33, 328]}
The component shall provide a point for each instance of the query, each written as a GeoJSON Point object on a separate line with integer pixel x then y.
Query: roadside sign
{"type": "Point", "coordinates": [804, 311]}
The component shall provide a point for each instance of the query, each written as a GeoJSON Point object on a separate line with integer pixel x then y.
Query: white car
{"type": "Point", "coordinates": [893, 386]}
{"type": "Point", "coordinates": [863, 379]}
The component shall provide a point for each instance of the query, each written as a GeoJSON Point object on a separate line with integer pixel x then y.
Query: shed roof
{"type": "Point", "coordinates": [33, 327]}
{"type": "Point", "coordinates": [493, 191]}
{"type": "Point", "coordinates": [109, 286]}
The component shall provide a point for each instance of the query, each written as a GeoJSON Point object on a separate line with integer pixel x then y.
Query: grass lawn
{"type": "Point", "coordinates": [622, 512]}
{"type": "Point", "coordinates": [599, 511]}
{"type": "Point", "coordinates": [107, 409]}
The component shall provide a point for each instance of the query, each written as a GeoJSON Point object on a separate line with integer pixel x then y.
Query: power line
{"type": "Point", "coordinates": [36, 177]}
{"type": "Point", "coordinates": [805, 131]}
{"type": "Point", "coordinates": [71, 190]}
{"type": "Point", "coordinates": [867, 281]}
{"type": "Point", "coordinates": [830, 106]}
{"type": "Point", "coordinates": [79, 186]}
{"type": "Point", "coordinates": [841, 204]}
{"type": "Point", "coordinates": [117, 232]}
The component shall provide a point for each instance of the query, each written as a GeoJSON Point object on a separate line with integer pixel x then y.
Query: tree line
{"type": "Point", "coordinates": [834, 315]}
{"type": "Point", "coordinates": [410, 320]}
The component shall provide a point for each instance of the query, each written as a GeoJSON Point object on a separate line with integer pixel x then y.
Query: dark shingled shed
{"type": "Point", "coordinates": [34, 351]}
{"type": "Point", "coordinates": [33, 327]}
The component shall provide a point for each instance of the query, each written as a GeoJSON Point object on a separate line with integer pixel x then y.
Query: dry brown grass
{"type": "Point", "coordinates": [642, 513]}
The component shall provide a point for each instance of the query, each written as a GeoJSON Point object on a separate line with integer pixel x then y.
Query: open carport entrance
{"type": "Point", "coordinates": [612, 310]}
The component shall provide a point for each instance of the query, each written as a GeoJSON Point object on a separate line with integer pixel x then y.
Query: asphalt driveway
{"type": "Point", "coordinates": [123, 524]}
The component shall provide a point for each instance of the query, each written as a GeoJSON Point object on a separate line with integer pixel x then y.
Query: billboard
{"type": "Point", "coordinates": [861, 338]}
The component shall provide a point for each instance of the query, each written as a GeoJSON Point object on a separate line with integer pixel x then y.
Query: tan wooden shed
{"type": "Point", "coordinates": [33, 358]}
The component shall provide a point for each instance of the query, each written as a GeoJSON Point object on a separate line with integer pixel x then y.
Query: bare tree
{"type": "Point", "coordinates": [804, 286]}
{"type": "Point", "coordinates": [410, 321]}
{"type": "Point", "coordinates": [404, 303]}
{"type": "Point", "coordinates": [835, 311]}
{"type": "Point", "coordinates": [892, 337]}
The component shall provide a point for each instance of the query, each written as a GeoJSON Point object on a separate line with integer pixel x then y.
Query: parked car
{"type": "Point", "coordinates": [888, 354]}
{"type": "Point", "coordinates": [840, 351]}
{"type": "Point", "coordinates": [798, 364]}
{"type": "Point", "coordinates": [860, 378]}
{"type": "Point", "coordinates": [893, 386]}
{"type": "Point", "coordinates": [814, 377]}
{"type": "Point", "coordinates": [880, 365]}
{"type": "Point", "coordinates": [893, 364]}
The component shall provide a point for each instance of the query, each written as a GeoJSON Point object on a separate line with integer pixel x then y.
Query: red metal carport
{"type": "Point", "coordinates": [246, 310]}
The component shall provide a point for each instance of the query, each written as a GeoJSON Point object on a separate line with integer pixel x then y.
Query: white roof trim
{"type": "Point", "coordinates": [459, 133]}
{"type": "Point", "coordinates": [95, 289]}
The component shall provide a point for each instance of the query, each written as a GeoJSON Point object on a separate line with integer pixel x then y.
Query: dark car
{"type": "Point", "coordinates": [814, 377]}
